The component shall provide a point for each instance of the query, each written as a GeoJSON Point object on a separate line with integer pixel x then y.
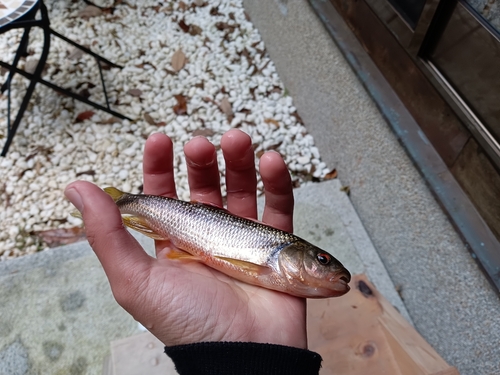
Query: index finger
{"type": "Point", "coordinates": [158, 166]}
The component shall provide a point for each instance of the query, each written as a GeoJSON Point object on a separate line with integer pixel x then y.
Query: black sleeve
{"type": "Point", "coordinates": [242, 358]}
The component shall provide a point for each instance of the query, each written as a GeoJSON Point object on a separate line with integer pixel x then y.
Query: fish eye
{"type": "Point", "coordinates": [323, 258]}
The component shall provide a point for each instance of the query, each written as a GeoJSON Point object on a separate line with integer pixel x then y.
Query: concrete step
{"type": "Point", "coordinates": [58, 315]}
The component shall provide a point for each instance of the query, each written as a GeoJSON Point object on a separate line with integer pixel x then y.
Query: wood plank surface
{"type": "Point", "coordinates": [362, 333]}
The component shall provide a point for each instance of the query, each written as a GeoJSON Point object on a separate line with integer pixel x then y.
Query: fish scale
{"type": "Point", "coordinates": [244, 249]}
{"type": "Point", "coordinates": [203, 227]}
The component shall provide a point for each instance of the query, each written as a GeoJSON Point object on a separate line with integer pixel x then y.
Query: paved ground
{"type": "Point", "coordinates": [58, 316]}
{"type": "Point", "coordinates": [448, 297]}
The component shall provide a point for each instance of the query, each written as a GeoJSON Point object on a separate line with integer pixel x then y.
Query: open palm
{"type": "Point", "coordinates": [186, 302]}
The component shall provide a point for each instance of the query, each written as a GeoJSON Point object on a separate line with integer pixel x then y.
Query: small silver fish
{"type": "Point", "coordinates": [244, 249]}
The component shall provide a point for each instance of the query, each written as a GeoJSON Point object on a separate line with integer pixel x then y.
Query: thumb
{"type": "Point", "coordinates": [123, 259]}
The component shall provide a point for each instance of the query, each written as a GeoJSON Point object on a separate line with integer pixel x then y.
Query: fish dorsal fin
{"type": "Point", "coordinates": [114, 193]}
{"type": "Point", "coordinates": [140, 225]}
{"type": "Point", "coordinates": [252, 268]}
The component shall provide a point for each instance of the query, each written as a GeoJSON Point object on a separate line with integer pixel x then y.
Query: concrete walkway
{"type": "Point", "coordinates": [58, 316]}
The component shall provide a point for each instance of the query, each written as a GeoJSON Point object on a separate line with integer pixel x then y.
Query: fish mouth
{"type": "Point", "coordinates": [341, 282]}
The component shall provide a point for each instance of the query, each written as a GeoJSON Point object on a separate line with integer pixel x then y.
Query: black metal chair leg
{"type": "Point", "coordinates": [85, 49]}
{"type": "Point", "coordinates": [11, 130]}
{"type": "Point", "coordinates": [22, 46]}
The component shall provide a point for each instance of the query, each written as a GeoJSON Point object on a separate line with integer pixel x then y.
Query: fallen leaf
{"type": "Point", "coordinates": [272, 121]}
{"type": "Point", "coordinates": [85, 93]}
{"type": "Point", "coordinates": [182, 6]}
{"type": "Point", "coordinates": [195, 30]}
{"type": "Point", "coordinates": [214, 11]}
{"type": "Point", "coordinates": [134, 92]}
{"type": "Point", "coordinates": [346, 189]}
{"type": "Point", "coordinates": [75, 54]}
{"type": "Point", "coordinates": [89, 12]}
{"type": "Point", "coordinates": [200, 3]}
{"type": "Point", "coordinates": [297, 116]}
{"type": "Point", "coordinates": [203, 132]}
{"type": "Point", "coordinates": [178, 60]}
{"type": "Point", "coordinates": [181, 107]}
{"type": "Point", "coordinates": [200, 85]}
{"type": "Point", "coordinates": [226, 107]}
{"type": "Point", "coordinates": [61, 236]}
{"type": "Point", "coordinates": [184, 26]}
{"type": "Point", "coordinates": [110, 120]}
{"type": "Point", "coordinates": [149, 119]}
{"type": "Point", "coordinates": [85, 115]}
{"type": "Point", "coordinates": [30, 66]}
{"type": "Point", "coordinates": [90, 172]}
{"type": "Point", "coordinates": [260, 153]}
{"type": "Point", "coordinates": [331, 175]}
{"type": "Point", "coordinates": [225, 26]}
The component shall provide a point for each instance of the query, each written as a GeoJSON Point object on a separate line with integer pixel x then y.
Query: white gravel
{"type": "Point", "coordinates": [225, 62]}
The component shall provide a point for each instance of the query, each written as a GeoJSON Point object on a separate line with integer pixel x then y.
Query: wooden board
{"type": "Point", "coordinates": [362, 333]}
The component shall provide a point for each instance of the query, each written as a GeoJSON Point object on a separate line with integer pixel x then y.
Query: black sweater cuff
{"type": "Point", "coordinates": [242, 358]}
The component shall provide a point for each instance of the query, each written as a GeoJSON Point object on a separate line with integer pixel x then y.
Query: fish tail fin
{"type": "Point", "coordinates": [114, 193]}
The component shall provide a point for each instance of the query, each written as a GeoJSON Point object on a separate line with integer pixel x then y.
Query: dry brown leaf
{"type": "Point", "coordinates": [178, 60]}
{"type": "Point", "coordinates": [181, 107]}
{"type": "Point", "coordinates": [134, 92]}
{"type": "Point", "coordinates": [331, 175]}
{"type": "Point", "coordinates": [61, 236]}
{"type": "Point", "coordinates": [260, 153]}
{"type": "Point", "coordinates": [184, 26]}
{"type": "Point", "coordinates": [203, 132]}
{"type": "Point", "coordinates": [182, 6]}
{"type": "Point", "coordinates": [75, 54]}
{"type": "Point", "coordinates": [225, 107]}
{"type": "Point", "coordinates": [110, 120]}
{"type": "Point", "coordinates": [214, 11]}
{"type": "Point", "coordinates": [30, 66]}
{"type": "Point", "coordinates": [90, 172]}
{"type": "Point", "coordinates": [346, 189]}
{"type": "Point", "coordinates": [85, 115]}
{"type": "Point", "coordinates": [89, 12]}
{"type": "Point", "coordinates": [199, 3]}
{"type": "Point", "coordinates": [272, 121]}
{"type": "Point", "coordinates": [195, 30]}
{"type": "Point", "coordinates": [149, 119]}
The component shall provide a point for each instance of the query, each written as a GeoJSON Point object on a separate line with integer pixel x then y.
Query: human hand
{"type": "Point", "coordinates": [187, 302]}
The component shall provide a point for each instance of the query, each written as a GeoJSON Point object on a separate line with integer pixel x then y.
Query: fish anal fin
{"type": "Point", "coordinates": [141, 226]}
{"type": "Point", "coordinates": [252, 268]}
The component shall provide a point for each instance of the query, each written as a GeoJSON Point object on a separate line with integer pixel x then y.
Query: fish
{"type": "Point", "coordinates": [244, 249]}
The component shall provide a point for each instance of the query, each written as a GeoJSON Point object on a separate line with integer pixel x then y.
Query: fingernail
{"type": "Point", "coordinates": [75, 198]}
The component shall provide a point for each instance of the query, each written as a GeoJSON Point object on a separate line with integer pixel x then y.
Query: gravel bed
{"type": "Point", "coordinates": [190, 68]}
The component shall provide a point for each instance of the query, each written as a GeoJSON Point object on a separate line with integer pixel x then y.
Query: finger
{"type": "Point", "coordinates": [121, 256]}
{"type": "Point", "coordinates": [278, 210]}
{"type": "Point", "coordinates": [158, 166]}
{"type": "Point", "coordinates": [203, 172]}
{"type": "Point", "coordinates": [241, 178]}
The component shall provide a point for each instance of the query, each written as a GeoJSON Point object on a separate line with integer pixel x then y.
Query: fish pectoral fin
{"type": "Point", "coordinates": [250, 267]}
{"type": "Point", "coordinates": [178, 254]}
{"type": "Point", "coordinates": [140, 225]}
